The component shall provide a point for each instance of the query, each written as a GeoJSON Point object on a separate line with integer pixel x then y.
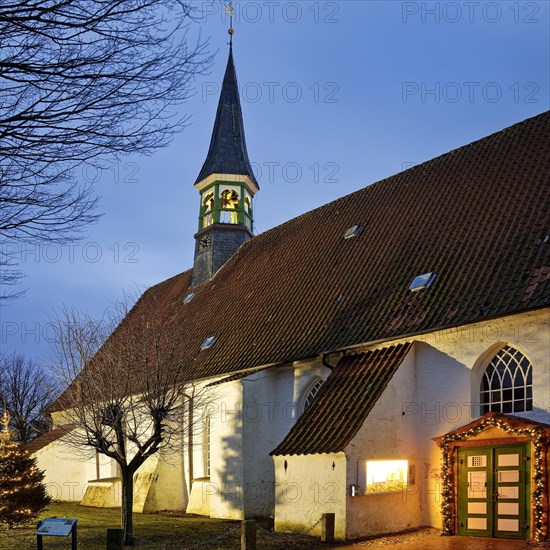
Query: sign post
{"type": "Point", "coordinates": [56, 527]}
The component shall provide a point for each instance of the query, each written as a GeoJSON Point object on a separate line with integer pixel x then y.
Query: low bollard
{"type": "Point", "coordinates": [327, 528]}
{"type": "Point", "coordinates": [115, 539]}
{"type": "Point", "coordinates": [248, 535]}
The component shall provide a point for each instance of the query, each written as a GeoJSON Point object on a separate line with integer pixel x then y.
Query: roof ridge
{"type": "Point", "coordinates": [369, 188]}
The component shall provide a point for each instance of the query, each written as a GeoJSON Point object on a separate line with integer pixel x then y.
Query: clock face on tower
{"type": "Point", "coordinates": [204, 242]}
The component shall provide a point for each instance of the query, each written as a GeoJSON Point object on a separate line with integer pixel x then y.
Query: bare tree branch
{"type": "Point", "coordinates": [127, 393]}
{"type": "Point", "coordinates": [81, 83]}
{"type": "Point", "coordinates": [26, 389]}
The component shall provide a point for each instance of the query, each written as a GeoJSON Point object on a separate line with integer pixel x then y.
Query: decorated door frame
{"type": "Point", "coordinates": [502, 431]}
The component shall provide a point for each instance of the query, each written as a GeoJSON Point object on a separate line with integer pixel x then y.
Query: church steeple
{"type": "Point", "coordinates": [227, 153]}
{"type": "Point", "coordinates": [226, 184]}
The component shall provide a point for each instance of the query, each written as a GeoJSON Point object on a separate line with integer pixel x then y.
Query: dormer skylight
{"type": "Point", "coordinates": [352, 231]}
{"type": "Point", "coordinates": [208, 343]}
{"type": "Point", "coordinates": [189, 297]}
{"type": "Point", "coordinates": [422, 281]}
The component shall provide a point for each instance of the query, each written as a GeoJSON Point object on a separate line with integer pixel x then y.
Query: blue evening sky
{"type": "Point", "coordinates": [335, 96]}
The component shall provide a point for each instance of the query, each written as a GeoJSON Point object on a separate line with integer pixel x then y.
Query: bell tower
{"type": "Point", "coordinates": [226, 185]}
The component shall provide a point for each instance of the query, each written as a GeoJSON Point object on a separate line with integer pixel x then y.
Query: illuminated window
{"type": "Point", "coordinates": [248, 210]}
{"type": "Point", "coordinates": [208, 202]}
{"type": "Point", "coordinates": [230, 199]}
{"type": "Point", "coordinates": [208, 208]}
{"type": "Point", "coordinates": [507, 383]}
{"type": "Point", "coordinates": [386, 476]}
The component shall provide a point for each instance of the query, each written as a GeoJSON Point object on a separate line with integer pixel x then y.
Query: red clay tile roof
{"type": "Point", "coordinates": [343, 402]}
{"type": "Point", "coordinates": [47, 438]}
{"type": "Point", "coordinates": [236, 376]}
{"type": "Point", "coordinates": [474, 216]}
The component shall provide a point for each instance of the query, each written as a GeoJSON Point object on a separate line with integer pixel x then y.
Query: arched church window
{"type": "Point", "coordinates": [312, 393]}
{"type": "Point", "coordinates": [247, 205]}
{"type": "Point", "coordinates": [507, 383]}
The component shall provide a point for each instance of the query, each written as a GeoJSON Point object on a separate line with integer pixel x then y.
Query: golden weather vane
{"type": "Point", "coordinates": [229, 9]}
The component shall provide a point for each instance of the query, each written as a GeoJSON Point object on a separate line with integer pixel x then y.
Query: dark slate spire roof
{"type": "Point", "coordinates": [227, 153]}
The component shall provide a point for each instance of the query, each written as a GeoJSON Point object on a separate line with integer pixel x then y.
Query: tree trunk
{"type": "Point", "coordinates": [127, 503]}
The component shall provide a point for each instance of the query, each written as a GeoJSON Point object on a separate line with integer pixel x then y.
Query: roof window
{"type": "Point", "coordinates": [422, 281]}
{"type": "Point", "coordinates": [208, 342]}
{"type": "Point", "coordinates": [352, 232]}
{"type": "Point", "coordinates": [189, 297]}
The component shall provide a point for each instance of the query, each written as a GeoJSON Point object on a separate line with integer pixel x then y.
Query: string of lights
{"type": "Point", "coordinates": [538, 439]}
{"type": "Point", "coordinates": [22, 494]}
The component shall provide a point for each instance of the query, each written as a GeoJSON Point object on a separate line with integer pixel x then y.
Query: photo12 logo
{"type": "Point", "coordinates": [87, 252]}
{"type": "Point", "coordinates": [272, 92]}
{"type": "Point", "coordinates": [271, 12]}
{"type": "Point", "coordinates": [293, 172]}
{"type": "Point", "coordinates": [469, 92]}
{"type": "Point", "coordinates": [470, 12]}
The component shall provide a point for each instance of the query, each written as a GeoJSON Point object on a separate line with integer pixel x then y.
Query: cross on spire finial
{"type": "Point", "coordinates": [231, 31]}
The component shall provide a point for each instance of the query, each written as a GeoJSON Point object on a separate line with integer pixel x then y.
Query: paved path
{"type": "Point", "coordinates": [423, 540]}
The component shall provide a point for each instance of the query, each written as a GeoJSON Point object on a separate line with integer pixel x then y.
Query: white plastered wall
{"type": "Point", "coordinates": [248, 419]}
{"type": "Point", "coordinates": [66, 473]}
{"type": "Point", "coordinates": [436, 390]}
{"type": "Point", "coordinates": [307, 487]}
{"type": "Point", "coordinates": [384, 436]}
{"type": "Point", "coordinates": [443, 394]}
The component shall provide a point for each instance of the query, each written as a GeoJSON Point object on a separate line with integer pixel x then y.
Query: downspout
{"type": "Point", "coordinates": [190, 444]}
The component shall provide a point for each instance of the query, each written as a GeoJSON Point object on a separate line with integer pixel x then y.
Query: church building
{"type": "Point", "coordinates": [388, 351]}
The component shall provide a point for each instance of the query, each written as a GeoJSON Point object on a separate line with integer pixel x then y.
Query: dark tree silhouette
{"type": "Point", "coordinates": [83, 82]}
{"type": "Point", "coordinates": [25, 390]}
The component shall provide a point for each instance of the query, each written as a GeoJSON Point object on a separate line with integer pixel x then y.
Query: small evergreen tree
{"type": "Point", "coordinates": [22, 493]}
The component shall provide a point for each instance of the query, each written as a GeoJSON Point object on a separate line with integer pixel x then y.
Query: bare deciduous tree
{"type": "Point", "coordinates": [26, 389]}
{"type": "Point", "coordinates": [83, 82]}
{"type": "Point", "coordinates": [127, 394]}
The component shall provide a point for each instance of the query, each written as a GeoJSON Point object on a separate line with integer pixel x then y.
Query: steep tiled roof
{"type": "Point", "coordinates": [227, 153]}
{"type": "Point", "coordinates": [343, 402]}
{"type": "Point", "coordinates": [476, 216]}
{"type": "Point", "coordinates": [236, 376]}
{"type": "Point", "coordinates": [47, 438]}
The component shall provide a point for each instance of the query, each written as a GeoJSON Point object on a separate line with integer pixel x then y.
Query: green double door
{"type": "Point", "coordinates": [493, 491]}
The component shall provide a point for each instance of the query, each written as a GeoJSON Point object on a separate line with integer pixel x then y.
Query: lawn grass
{"type": "Point", "coordinates": [168, 530]}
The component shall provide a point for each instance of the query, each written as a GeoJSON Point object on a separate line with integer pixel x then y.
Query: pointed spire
{"type": "Point", "coordinates": [227, 153]}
